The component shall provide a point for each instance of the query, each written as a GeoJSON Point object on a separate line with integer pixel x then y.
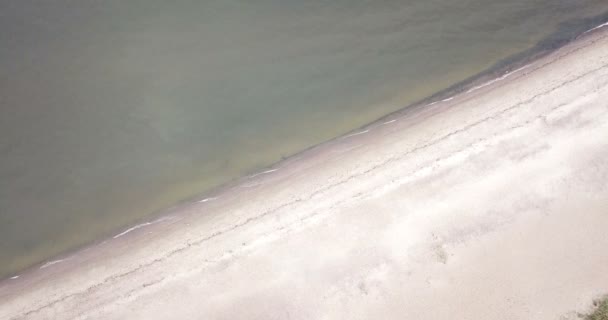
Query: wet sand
{"type": "Point", "coordinates": [492, 204]}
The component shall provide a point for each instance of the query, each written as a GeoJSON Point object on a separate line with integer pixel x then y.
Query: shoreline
{"type": "Point", "coordinates": [496, 73]}
{"type": "Point", "coordinates": [185, 227]}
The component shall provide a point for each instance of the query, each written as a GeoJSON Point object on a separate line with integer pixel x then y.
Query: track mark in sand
{"type": "Point", "coordinates": [356, 134]}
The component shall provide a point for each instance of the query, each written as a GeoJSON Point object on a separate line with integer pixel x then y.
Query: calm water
{"type": "Point", "coordinates": [112, 110]}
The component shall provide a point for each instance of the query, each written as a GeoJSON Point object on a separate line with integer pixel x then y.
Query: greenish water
{"type": "Point", "coordinates": [112, 110]}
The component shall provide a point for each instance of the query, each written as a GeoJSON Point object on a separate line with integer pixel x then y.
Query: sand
{"type": "Point", "coordinates": [492, 204]}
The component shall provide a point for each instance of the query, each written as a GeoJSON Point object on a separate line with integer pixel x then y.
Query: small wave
{"type": "Point", "coordinates": [598, 27]}
{"type": "Point", "coordinates": [263, 172]}
{"type": "Point", "coordinates": [14, 278]}
{"type": "Point", "coordinates": [518, 69]}
{"type": "Point", "coordinates": [506, 75]}
{"type": "Point", "coordinates": [145, 224]}
{"type": "Point", "coordinates": [346, 149]}
{"type": "Point", "coordinates": [389, 122]}
{"type": "Point", "coordinates": [168, 218]}
{"type": "Point", "coordinates": [208, 199]}
{"type": "Point", "coordinates": [356, 134]}
{"type": "Point", "coordinates": [252, 185]}
{"type": "Point", "coordinates": [132, 229]}
{"type": "Point", "coordinates": [485, 84]}
{"type": "Point", "coordinates": [50, 263]}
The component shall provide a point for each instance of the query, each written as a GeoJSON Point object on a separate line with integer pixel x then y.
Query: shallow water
{"type": "Point", "coordinates": [113, 110]}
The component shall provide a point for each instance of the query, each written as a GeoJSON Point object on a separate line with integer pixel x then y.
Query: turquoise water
{"type": "Point", "coordinates": [113, 110]}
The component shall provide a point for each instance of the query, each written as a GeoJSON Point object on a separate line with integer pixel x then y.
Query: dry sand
{"type": "Point", "coordinates": [491, 205]}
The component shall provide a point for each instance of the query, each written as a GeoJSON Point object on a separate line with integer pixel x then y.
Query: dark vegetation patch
{"type": "Point", "coordinates": [600, 312]}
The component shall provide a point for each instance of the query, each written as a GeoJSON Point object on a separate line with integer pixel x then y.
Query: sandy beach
{"type": "Point", "coordinates": [492, 204]}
